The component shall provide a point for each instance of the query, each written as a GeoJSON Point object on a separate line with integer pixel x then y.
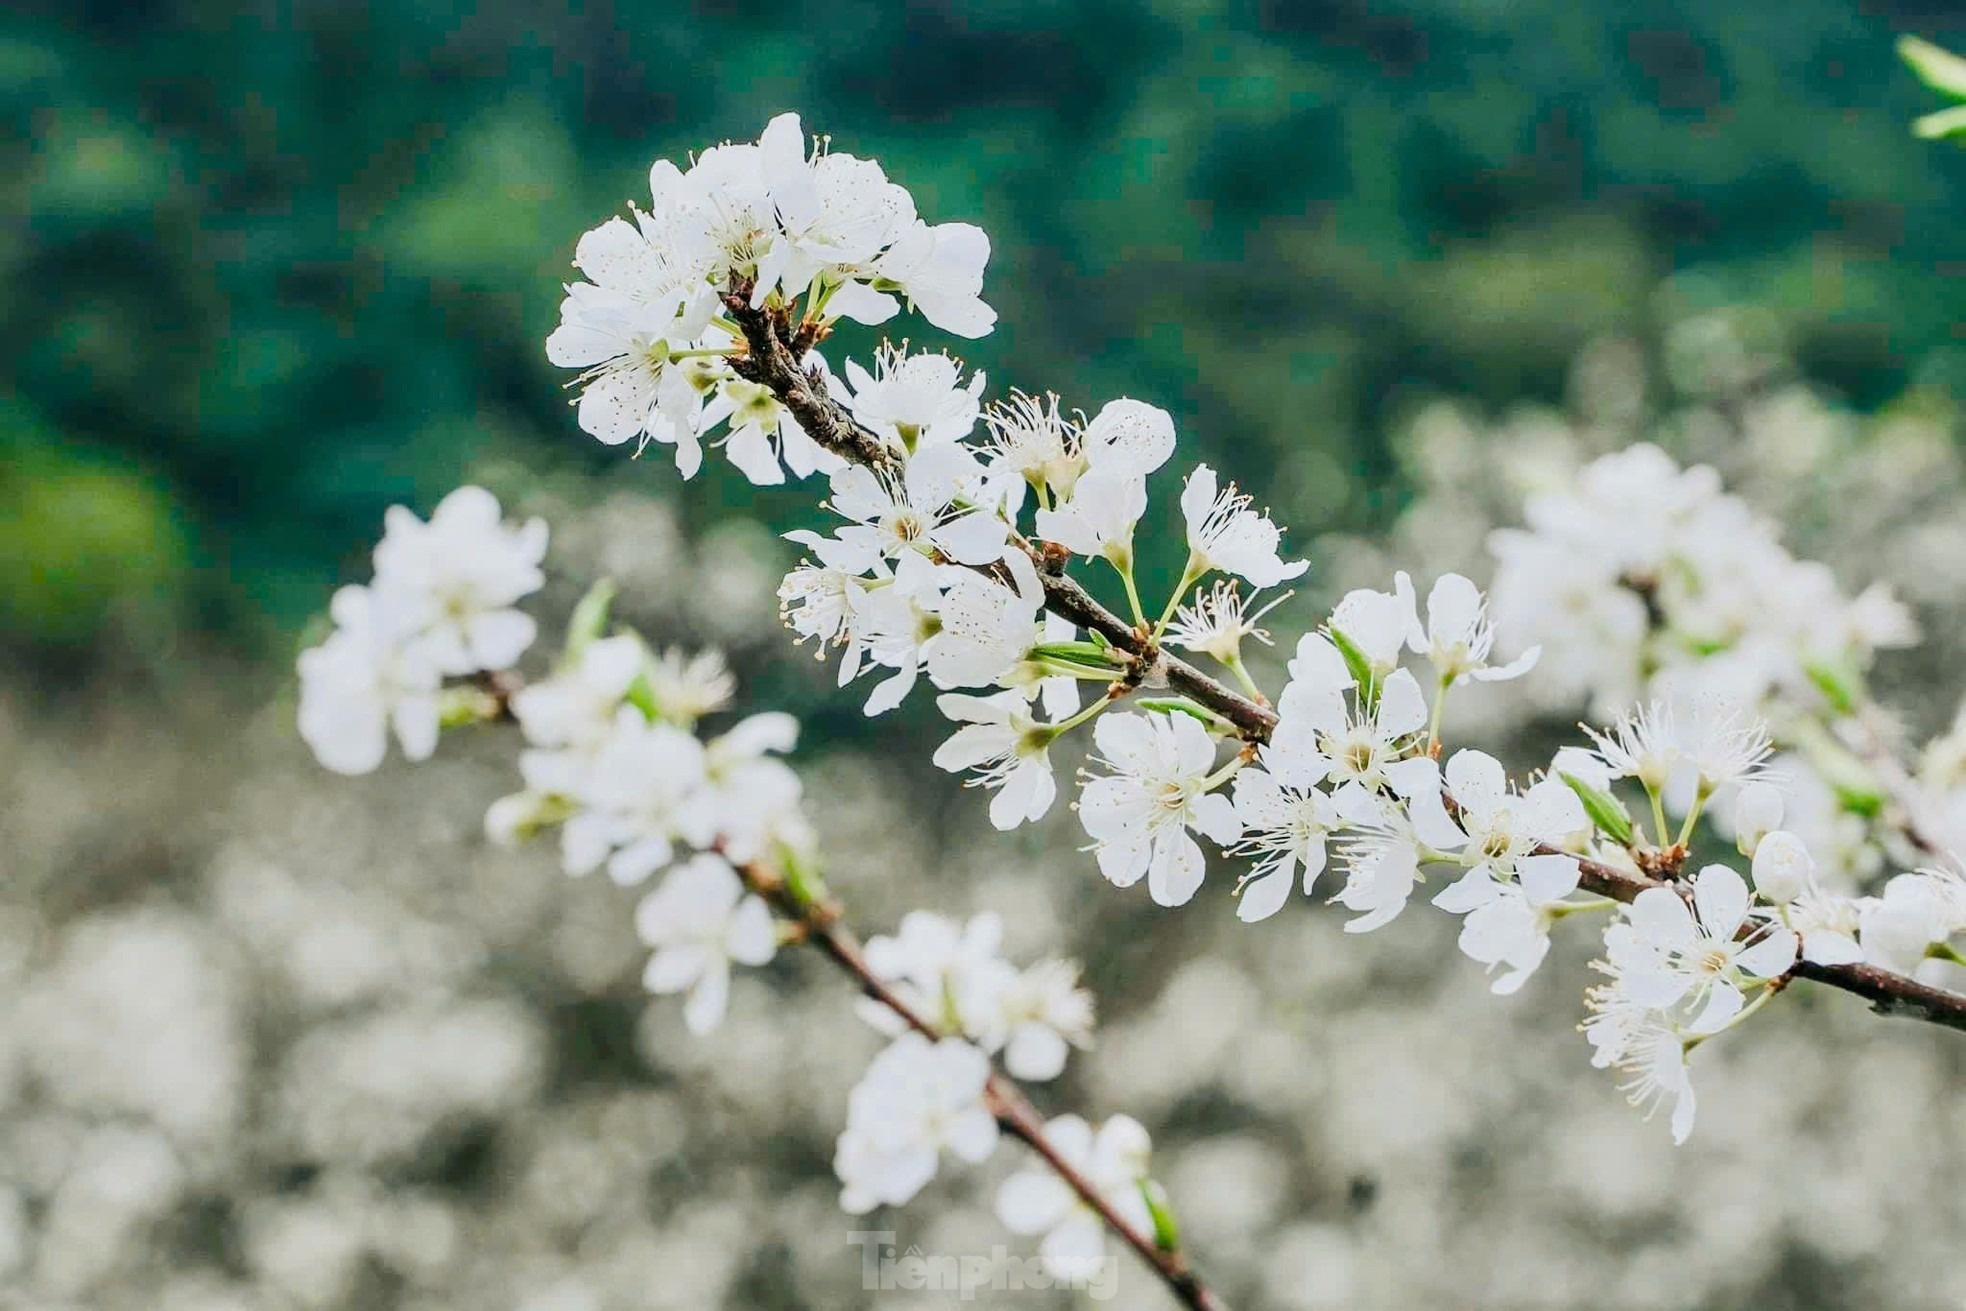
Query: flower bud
{"type": "Point", "coordinates": [1783, 868]}
{"type": "Point", "coordinates": [1757, 812]}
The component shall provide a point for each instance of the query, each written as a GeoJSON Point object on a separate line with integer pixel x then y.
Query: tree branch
{"type": "Point", "coordinates": [1006, 1100]}
{"type": "Point", "coordinates": [769, 360]}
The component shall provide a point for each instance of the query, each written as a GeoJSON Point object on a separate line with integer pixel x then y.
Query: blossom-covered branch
{"type": "Point", "coordinates": [616, 763]}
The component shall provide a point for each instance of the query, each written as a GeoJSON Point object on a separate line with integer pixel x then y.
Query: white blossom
{"type": "Point", "coordinates": [1139, 816]}
{"type": "Point", "coordinates": [1378, 624]}
{"type": "Point", "coordinates": [1224, 533]}
{"type": "Point", "coordinates": [890, 516]}
{"type": "Point", "coordinates": [1458, 635]}
{"type": "Point", "coordinates": [1129, 437]}
{"type": "Point", "coordinates": [986, 628]}
{"type": "Point", "coordinates": [917, 1100]}
{"type": "Point", "coordinates": [1915, 912]}
{"type": "Point", "coordinates": [1097, 520]}
{"type": "Point", "coordinates": [1504, 826]}
{"type": "Point", "coordinates": [752, 800]}
{"type": "Point", "coordinates": [915, 401]}
{"type": "Point", "coordinates": [1782, 868]}
{"type": "Point", "coordinates": [1114, 1160]}
{"type": "Point", "coordinates": [460, 574]}
{"type": "Point", "coordinates": [632, 383]}
{"type": "Point", "coordinates": [1285, 821]}
{"type": "Point", "coordinates": [764, 440]}
{"type": "Point", "coordinates": [637, 798]}
{"type": "Point", "coordinates": [834, 212]}
{"type": "Point", "coordinates": [1508, 923]}
{"type": "Point", "coordinates": [948, 970]}
{"type": "Point", "coordinates": [699, 921]}
{"type": "Point", "coordinates": [939, 268]}
{"type": "Point", "coordinates": [1007, 748]}
{"type": "Point", "coordinates": [1032, 440]}
{"type": "Point", "coordinates": [371, 676]}
{"type": "Point", "coordinates": [1667, 954]}
{"type": "Point", "coordinates": [1217, 621]}
{"type": "Point", "coordinates": [576, 706]}
{"type": "Point", "coordinates": [1041, 1014]}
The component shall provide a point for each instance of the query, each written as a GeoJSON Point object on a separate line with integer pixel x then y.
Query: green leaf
{"type": "Point", "coordinates": [1084, 653]}
{"type": "Point", "coordinates": [590, 618]}
{"type": "Point", "coordinates": [1167, 1234]}
{"type": "Point", "coordinates": [1360, 666]}
{"type": "Point", "coordinates": [1939, 69]}
{"type": "Point", "coordinates": [641, 695]}
{"type": "Point", "coordinates": [1945, 123]}
{"type": "Point", "coordinates": [1605, 810]}
{"type": "Point", "coordinates": [1840, 683]}
{"type": "Point", "coordinates": [1180, 705]}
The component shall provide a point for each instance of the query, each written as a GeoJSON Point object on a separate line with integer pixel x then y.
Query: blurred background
{"type": "Point", "coordinates": [273, 1039]}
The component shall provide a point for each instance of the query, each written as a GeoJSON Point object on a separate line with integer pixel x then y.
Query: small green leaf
{"type": "Point", "coordinates": [1945, 123]}
{"type": "Point", "coordinates": [1939, 69]}
{"type": "Point", "coordinates": [1180, 705]}
{"type": "Point", "coordinates": [1605, 810]}
{"type": "Point", "coordinates": [1359, 665]}
{"type": "Point", "coordinates": [1084, 653]}
{"type": "Point", "coordinates": [1839, 682]}
{"type": "Point", "coordinates": [590, 618]}
{"type": "Point", "coordinates": [1167, 1235]}
{"type": "Point", "coordinates": [641, 695]}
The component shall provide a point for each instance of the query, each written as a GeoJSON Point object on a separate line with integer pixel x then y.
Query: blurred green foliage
{"type": "Point", "coordinates": [280, 264]}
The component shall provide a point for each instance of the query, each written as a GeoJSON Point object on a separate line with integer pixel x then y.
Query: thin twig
{"type": "Point", "coordinates": [1005, 1099]}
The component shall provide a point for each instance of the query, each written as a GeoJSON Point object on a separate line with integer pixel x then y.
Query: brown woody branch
{"type": "Point", "coordinates": [822, 926]}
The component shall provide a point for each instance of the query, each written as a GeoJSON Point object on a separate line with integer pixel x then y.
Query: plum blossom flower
{"type": "Point", "coordinates": [1915, 912]}
{"type": "Point", "coordinates": [918, 1099]}
{"type": "Point", "coordinates": [939, 268]}
{"type": "Point", "coordinates": [1508, 923]}
{"type": "Point", "coordinates": [1218, 620]}
{"type": "Point", "coordinates": [1031, 439]}
{"type": "Point", "coordinates": [1008, 749]}
{"type": "Point", "coordinates": [633, 385]}
{"type": "Point", "coordinates": [1502, 825]}
{"type": "Point", "coordinates": [460, 574]}
{"type": "Point", "coordinates": [576, 707]}
{"type": "Point", "coordinates": [1382, 852]}
{"type": "Point", "coordinates": [1285, 821]}
{"type": "Point", "coordinates": [892, 627]}
{"type": "Point", "coordinates": [1359, 742]}
{"type": "Point", "coordinates": [1782, 867]}
{"type": "Point", "coordinates": [1040, 1015]}
{"type": "Point", "coordinates": [915, 401]}
{"type": "Point", "coordinates": [946, 969]}
{"type": "Point", "coordinates": [1667, 954]}
{"type": "Point", "coordinates": [1377, 624]}
{"type": "Point", "coordinates": [1139, 816]}
{"type": "Point", "coordinates": [1224, 533]}
{"type": "Point", "coordinates": [765, 440]}
{"type": "Point", "coordinates": [699, 921]}
{"type": "Point", "coordinates": [637, 798]}
{"type": "Point", "coordinates": [370, 677]}
{"type": "Point", "coordinates": [987, 628]}
{"type": "Point", "coordinates": [1097, 520]}
{"type": "Point", "coordinates": [1129, 437]}
{"type": "Point", "coordinates": [890, 516]}
{"type": "Point", "coordinates": [834, 212]}
{"type": "Point", "coordinates": [751, 798]}
{"type": "Point", "coordinates": [1036, 1201]}
{"type": "Point", "coordinates": [1459, 635]}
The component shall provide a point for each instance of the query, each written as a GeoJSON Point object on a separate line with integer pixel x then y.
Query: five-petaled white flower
{"type": "Point", "coordinates": [638, 795]}
{"type": "Point", "coordinates": [916, 1100]}
{"type": "Point", "coordinates": [1668, 955]}
{"type": "Point", "coordinates": [1008, 749]}
{"type": "Point", "coordinates": [1097, 519]}
{"type": "Point", "coordinates": [699, 921]}
{"type": "Point", "coordinates": [1036, 1201]}
{"type": "Point", "coordinates": [371, 676]}
{"type": "Point", "coordinates": [1458, 634]}
{"type": "Point", "coordinates": [460, 574]}
{"type": "Point", "coordinates": [987, 628]}
{"type": "Point", "coordinates": [915, 512]}
{"type": "Point", "coordinates": [1139, 816]}
{"type": "Point", "coordinates": [1224, 533]}
{"type": "Point", "coordinates": [1503, 826]}
{"type": "Point", "coordinates": [1508, 923]}
{"type": "Point", "coordinates": [1285, 820]}
{"type": "Point", "coordinates": [915, 401]}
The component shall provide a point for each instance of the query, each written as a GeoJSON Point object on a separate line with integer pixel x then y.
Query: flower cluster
{"type": "Point", "coordinates": [440, 606]}
{"type": "Point", "coordinates": [820, 234]}
{"type": "Point", "coordinates": [1643, 578]}
{"type": "Point", "coordinates": [616, 759]}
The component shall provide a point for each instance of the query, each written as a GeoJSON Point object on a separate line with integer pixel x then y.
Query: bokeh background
{"type": "Point", "coordinates": [270, 1039]}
